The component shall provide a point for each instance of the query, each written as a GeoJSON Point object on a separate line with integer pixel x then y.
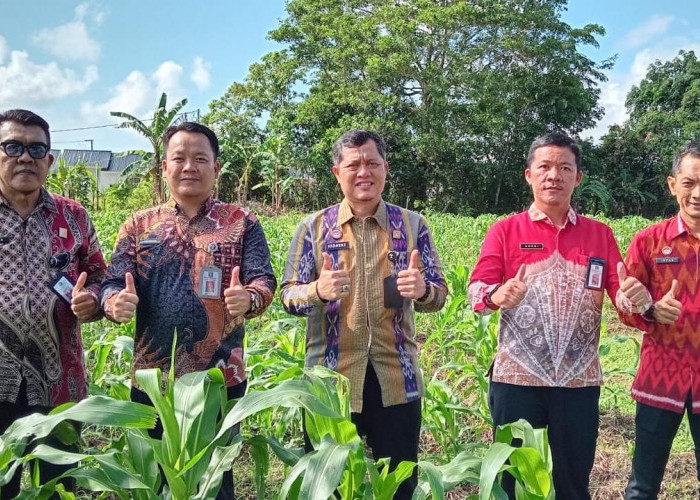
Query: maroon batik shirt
{"type": "Point", "coordinates": [39, 334]}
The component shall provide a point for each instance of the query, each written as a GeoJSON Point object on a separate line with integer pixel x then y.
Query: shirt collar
{"type": "Point", "coordinates": [45, 200]}
{"type": "Point", "coordinates": [205, 208]}
{"type": "Point", "coordinates": [345, 213]}
{"type": "Point", "coordinates": [537, 214]}
{"type": "Point", "coordinates": [676, 228]}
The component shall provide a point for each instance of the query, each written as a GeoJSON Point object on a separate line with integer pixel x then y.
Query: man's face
{"type": "Point", "coordinates": [22, 175]}
{"type": "Point", "coordinates": [553, 176]}
{"type": "Point", "coordinates": [189, 167]}
{"type": "Point", "coordinates": [685, 186]}
{"type": "Point", "coordinates": [361, 174]}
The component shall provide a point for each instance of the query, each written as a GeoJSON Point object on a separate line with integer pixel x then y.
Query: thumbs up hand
{"type": "Point", "coordinates": [512, 292]}
{"type": "Point", "coordinates": [236, 298]}
{"type": "Point", "coordinates": [83, 302]}
{"type": "Point", "coordinates": [668, 309]}
{"type": "Point", "coordinates": [633, 289]}
{"type": "Point", "coordinates": [332, 285]}
{"type": "Point", "coordinates": [410, 282]}
{"type": "Point", "coordinates": [124, 303]}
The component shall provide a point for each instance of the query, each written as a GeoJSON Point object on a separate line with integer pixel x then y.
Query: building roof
{"type": "Point", "coordinates": [105, 160]}
{"type": "Point", "coordinates": [100, 159]}
{"type": "Point", "coordinates": [120, 162]}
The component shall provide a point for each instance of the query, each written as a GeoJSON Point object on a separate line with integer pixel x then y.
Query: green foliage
{"type": "Point", "coordinates": [457, 349]}
{"type": "Point", "coordinates": [162, 119]}
{"type": "Point", "coordinates": [75, 182]}
{"type": "Point", "coordinates": [663, 117]}
{"type": "Point", "coordinates": [458, 89]}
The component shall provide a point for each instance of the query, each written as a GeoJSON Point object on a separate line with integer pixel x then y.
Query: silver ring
{"type": "Point", "coordinates": [345, 288]}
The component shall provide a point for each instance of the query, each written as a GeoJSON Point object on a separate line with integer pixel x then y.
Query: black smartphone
{"type": "Point", "coordinates": [392, 297]}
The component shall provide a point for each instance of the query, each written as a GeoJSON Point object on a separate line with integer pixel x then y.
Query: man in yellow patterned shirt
{"type": "Point", "coordinates": [357, 270]}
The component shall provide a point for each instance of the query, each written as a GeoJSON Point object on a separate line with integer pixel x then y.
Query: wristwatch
{"type": "Point", "coordinates": [254, 303]}
{"type": "Point", "coordinates": [649, 313]}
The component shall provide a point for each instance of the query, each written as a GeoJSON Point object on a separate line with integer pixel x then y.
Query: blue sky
{"type": "Point", "coordinates": [73, 61]}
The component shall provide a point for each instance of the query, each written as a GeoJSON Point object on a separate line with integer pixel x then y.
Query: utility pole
{"type": "Point", "coordinates": [90, 141]}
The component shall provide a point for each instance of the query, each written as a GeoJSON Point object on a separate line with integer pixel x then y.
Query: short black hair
{"type": "Point", "coordinates": [354, 139]}
{"type": "Point", "coordinates": [28, 119]}
{"type": "Point", "coordinates": [555, 139]}
{"type": "Point", "coordinates": [692, 149]}
{"type": "Point", "coordinates": [195, 128]}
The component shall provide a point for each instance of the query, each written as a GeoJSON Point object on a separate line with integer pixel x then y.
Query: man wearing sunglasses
{"type": "Point", "coordinates": [51, 268]}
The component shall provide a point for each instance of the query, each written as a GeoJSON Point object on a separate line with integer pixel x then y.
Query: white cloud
{"type": "Point", "coordinates": [138, 93]}
{"type": "Point", "coordinates": [128, 96]}
{"type": "Point", "coordinates": [656, 26]}
{"type": "Point", "coordinates": [26, 83]}
{"type": "Point", "coordinates": [4, 49]}
{"type": "Point", "coordinates": [167, 79]}
{"type": "Point", "coordinates": [614, 92]}
{"type": "Point", "coordinates": [201, 73]}
{"type": "Point", "coordinates": [70, 42]}
{"type": "Point", "coordinates": [90, 11]}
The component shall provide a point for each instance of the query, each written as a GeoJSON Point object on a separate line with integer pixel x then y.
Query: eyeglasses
{"type": "Point", "coordinates": [354, 167]}
{"type": "Point", "coordinates": [15, 149]}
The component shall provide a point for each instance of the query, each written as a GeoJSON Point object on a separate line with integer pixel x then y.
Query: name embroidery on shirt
{"type": "Point", "coordinates": [340, 245]}
{"type": "Point", "coordinates": [668, 260]}
{"type": "Point", "coordinates": [532, 246]}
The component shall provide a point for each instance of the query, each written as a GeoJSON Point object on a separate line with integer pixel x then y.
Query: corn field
{"type": "Point", "coordinates": [458, 456]}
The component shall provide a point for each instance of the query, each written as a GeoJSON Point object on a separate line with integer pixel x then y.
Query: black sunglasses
{"type": "Point", "coordinates": [15, 149]}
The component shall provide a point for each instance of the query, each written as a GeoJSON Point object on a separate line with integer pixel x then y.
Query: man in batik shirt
{"type": "Point", "coordinates": [664, 257]}
{"type": "Point", "coordinates": [546, 269]}
{"type": "Point", "coordinates": [195, 265]}
{"type": "Point", "coordinates": [357, 270]}
{"type": "Point", "coordinates": [51, 268]}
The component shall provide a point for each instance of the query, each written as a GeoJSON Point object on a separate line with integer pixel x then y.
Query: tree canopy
{"type": "Point", "coordinates": [458, 89]}
{"type": "Point", "coordinates": [664, 115]}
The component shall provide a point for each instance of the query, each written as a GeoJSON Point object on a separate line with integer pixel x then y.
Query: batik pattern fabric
{"type": "Point", "coordinates": [344, 335]}
{"type": "Point", "coordinates": [39, 334]}
{"type": "Point", "coordinates": [166, 252]}
{"type": "Point", "coordinates": [669, 367]}
{"type": "Point", "coordinates": [551, 338]}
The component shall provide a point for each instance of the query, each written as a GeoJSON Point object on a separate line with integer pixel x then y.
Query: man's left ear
{"type": "Point", "coordinates": [50, 160]}
{"type": "Point", "coordinates": [579, 176]}
{"type": "Point", "coordinates": [217, 168]}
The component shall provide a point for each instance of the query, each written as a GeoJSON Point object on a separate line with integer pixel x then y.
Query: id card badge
{"type": "Point", "coordinates": [392, 297]}
{"type": "Point", "coordinates": [62, 286]}
{"type": "Point", "coordinates": [594, 276]}
{"type": "Point", "coordinates": [210, 282]}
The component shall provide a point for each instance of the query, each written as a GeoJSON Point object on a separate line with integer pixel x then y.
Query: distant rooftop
{"type": "Point", "coordinates": [105, 160]}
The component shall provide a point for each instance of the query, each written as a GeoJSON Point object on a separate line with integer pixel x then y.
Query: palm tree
{"type": "Point", "coordinates": [162, 118]}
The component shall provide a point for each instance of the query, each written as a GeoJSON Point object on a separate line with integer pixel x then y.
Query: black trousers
{"type": "Point", "coordinates": [391, 431]}
{"type": "Point", "coordinates": [571, 417]}
{"type": "Point", "coordinates": [9, 412]}
{"type": "Point", "coordinates": [654, 432]}
{"type": "Point", "coordinates": [227, 491]}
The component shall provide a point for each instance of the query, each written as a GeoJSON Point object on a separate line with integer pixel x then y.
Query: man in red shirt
{"type": "Point", "coordinates": [546, 268]}
{"type": "Point", "coordinates": [664, 257]}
